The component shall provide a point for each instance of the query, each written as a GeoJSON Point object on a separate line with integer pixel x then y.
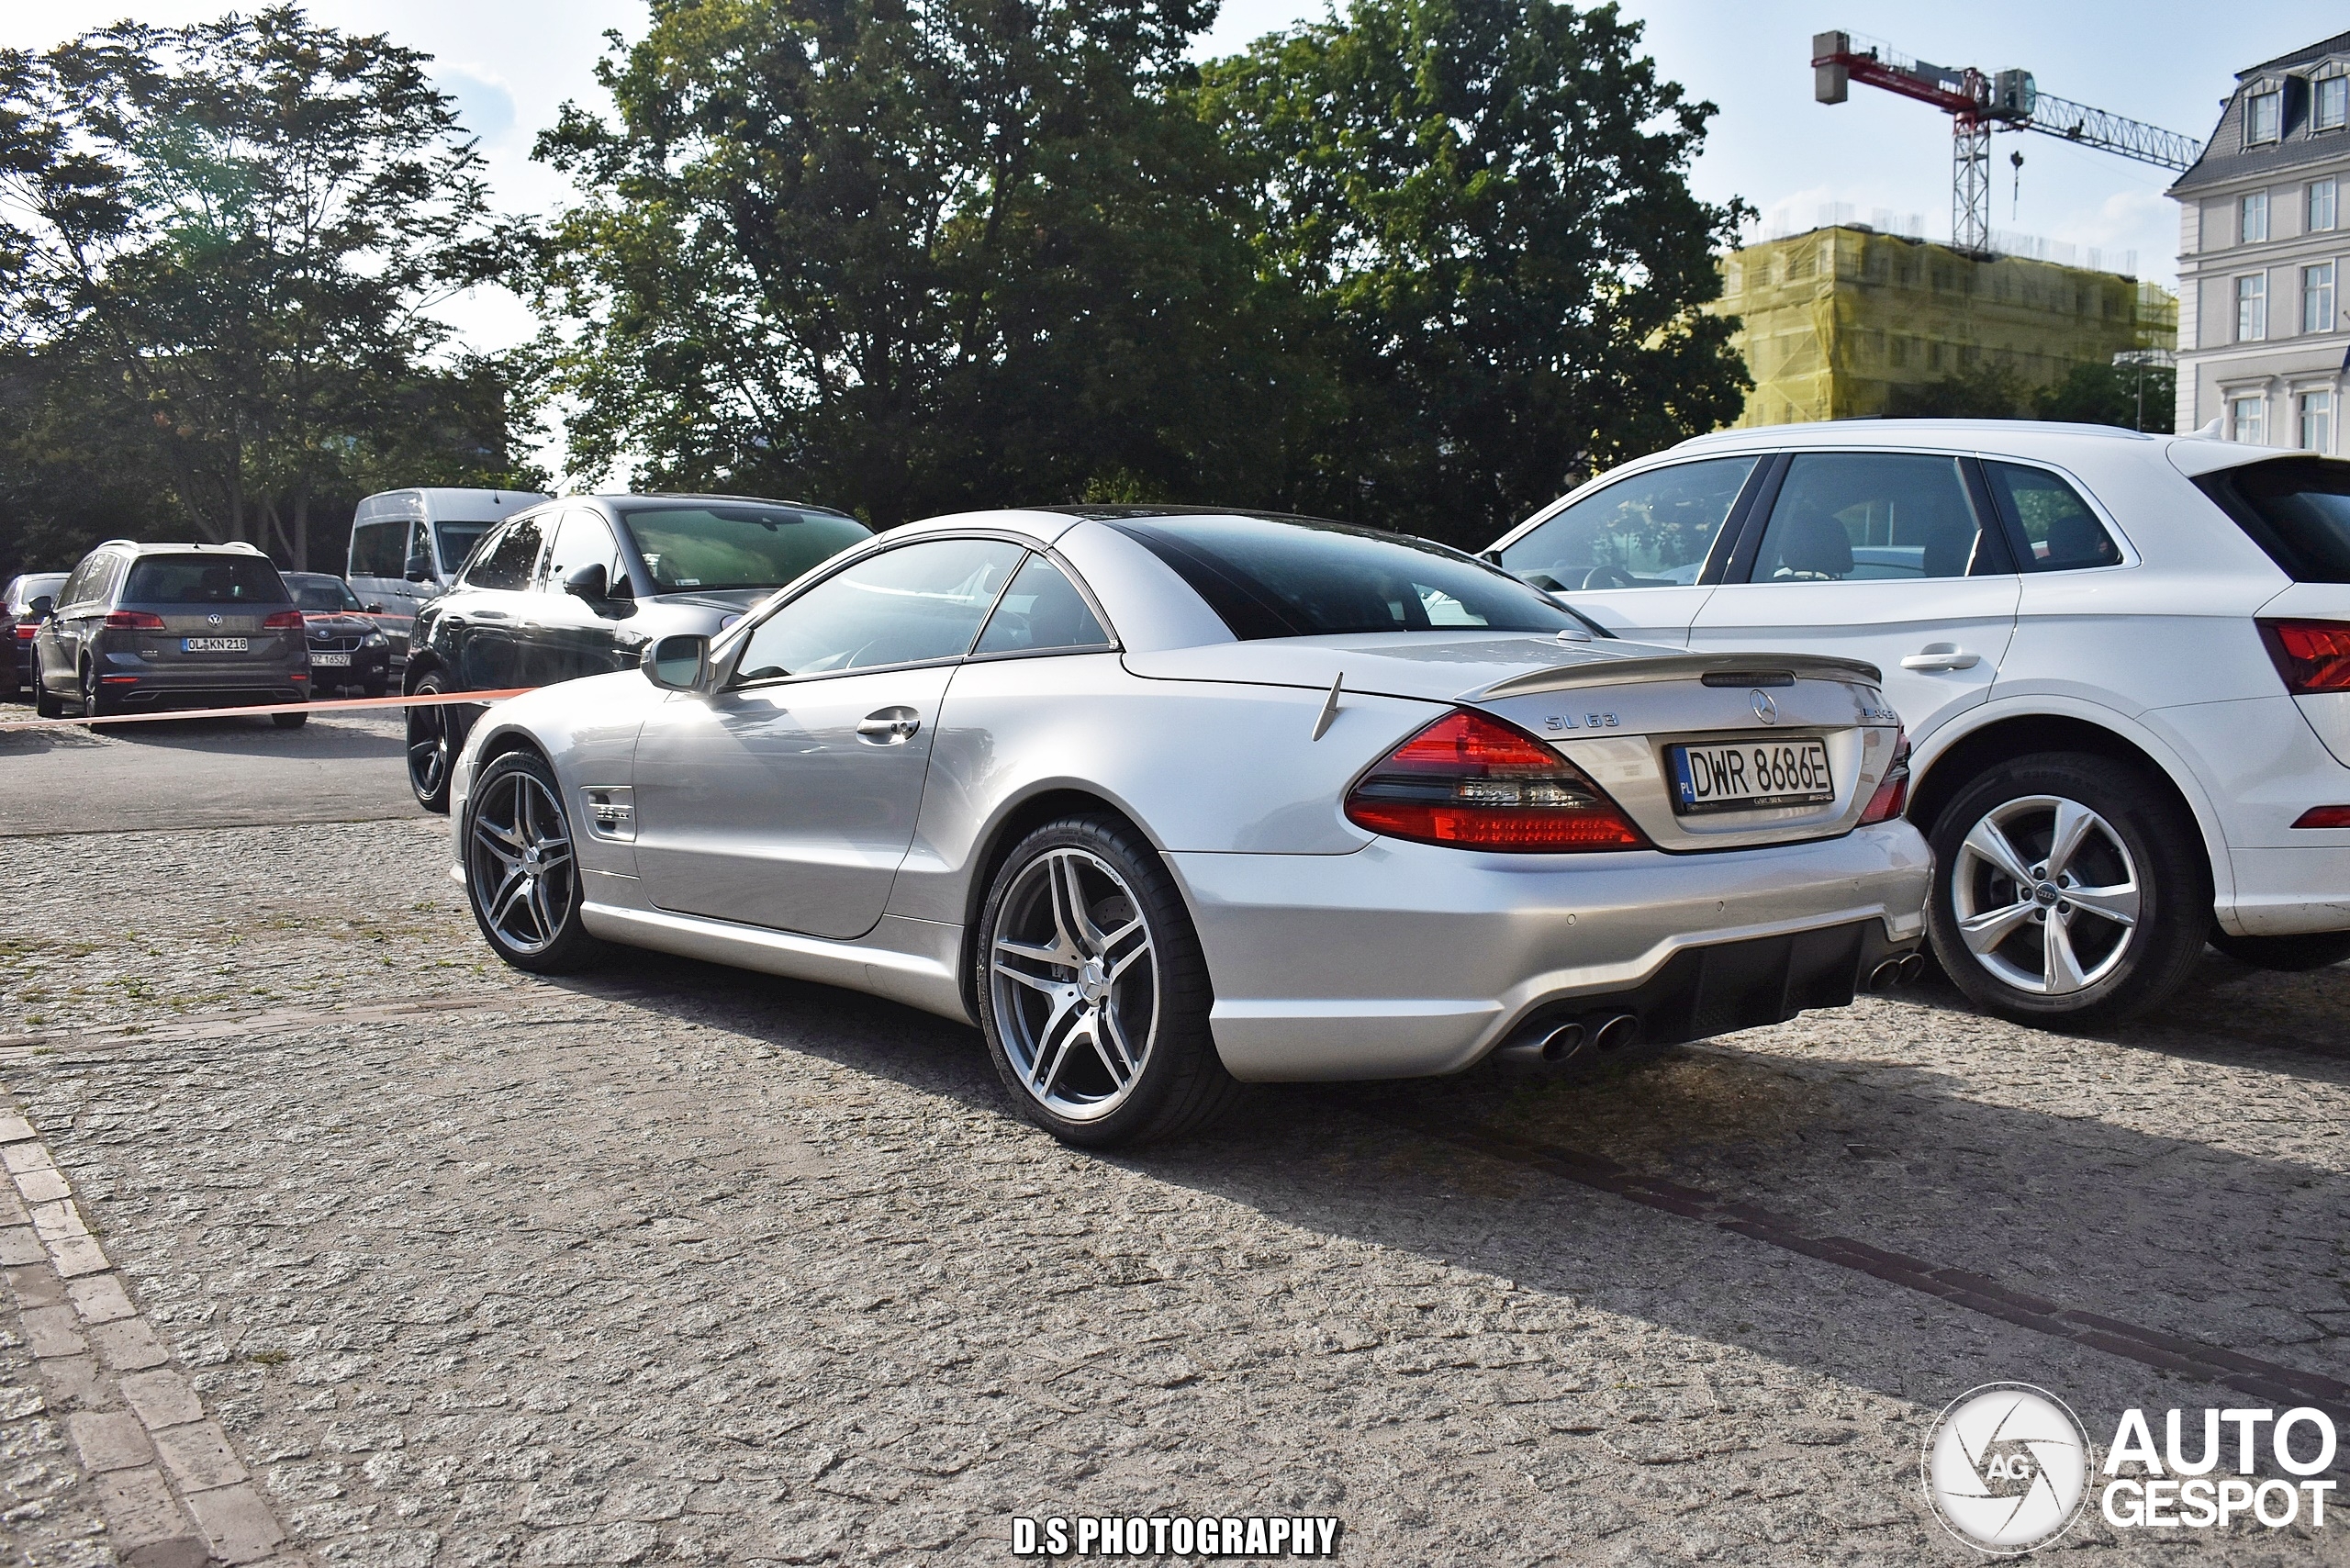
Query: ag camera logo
{"type": "Point", "coordinates": [2007, 1467]}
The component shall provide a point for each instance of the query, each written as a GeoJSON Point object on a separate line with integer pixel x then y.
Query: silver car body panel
{"type": "Point", "coordinates": [1335, 953]}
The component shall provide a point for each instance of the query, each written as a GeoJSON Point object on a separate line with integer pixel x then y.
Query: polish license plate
{"type": "Point", "coordinates": [331, 661]}
{"type": "Point", "coordinates": [1749, 774]}
{"type": "Point", "coordinates": [212, 644]}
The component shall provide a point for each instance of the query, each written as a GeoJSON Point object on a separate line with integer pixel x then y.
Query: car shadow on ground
{"type": "Point", "coordinates": [2181, 1235]}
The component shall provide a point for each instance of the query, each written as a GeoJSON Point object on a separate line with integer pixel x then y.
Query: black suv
{"type": "Point", "coordinates": [146, 626]}
{"type": "Point", "coordinates": [580, 586]}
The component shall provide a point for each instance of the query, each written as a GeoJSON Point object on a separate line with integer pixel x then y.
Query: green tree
{"type": "Point", "coordinates": [225, 242]}
{"type": "Point", "coordinates": [1985, 391]}
{"type": "Point", "coordinates": [906, 256]}
{"type": "Point", "coordinates": [1483, 206]}
{"type": "Point", "coordinates": [2138, 397]}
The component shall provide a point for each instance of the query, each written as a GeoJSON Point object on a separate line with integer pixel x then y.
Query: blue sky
{"type": "Point", "coordinates": [511, 63]}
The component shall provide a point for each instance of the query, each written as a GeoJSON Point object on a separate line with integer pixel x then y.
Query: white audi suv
{"type": "Point", "coordinates": [2124, 661]}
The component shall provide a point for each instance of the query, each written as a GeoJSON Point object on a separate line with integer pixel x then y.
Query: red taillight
{"type": "Point", "coordinates": [135, 619]}
{"type": "Point", "coordinates": [27, 632]}
{"type": "Point", "coordinates": [2312, 656]}
{"type": "Point", "coordinates": [282, 621]}
{"type": "Point", "coordinates": [2323, 816]}
{"type": "Point", "coordinates": [1472, 782]}
{"type": "Point", "coordinates": [1892, 795]}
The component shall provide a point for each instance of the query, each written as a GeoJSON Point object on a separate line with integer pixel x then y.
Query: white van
{"type": "Point", "coordinates": [408, 545]}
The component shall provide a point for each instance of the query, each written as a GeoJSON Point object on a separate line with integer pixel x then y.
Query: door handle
{"type": "Point", "coordinates": [891, 726]}
{"type": "Point", "coordinates": [493, 614]}
{"type": "Point", "coordinates": [1941, 655]}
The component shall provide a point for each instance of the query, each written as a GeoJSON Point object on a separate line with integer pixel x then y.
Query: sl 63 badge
{"type": "Point", "coordinates": [1588, 722]}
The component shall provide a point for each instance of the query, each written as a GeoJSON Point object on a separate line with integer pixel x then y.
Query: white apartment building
{"type": "Point", "coordinates": [2263, 264]}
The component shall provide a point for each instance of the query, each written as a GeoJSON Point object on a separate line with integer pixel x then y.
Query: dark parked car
{"type": "Point", "coordinates": [19, 624]}
{"type": "Point", "coordinates": [139, 627]}
{"type": "Point", "coordinates": [583, 584]}
{"type": "Point", "coordinates": [349, 648]}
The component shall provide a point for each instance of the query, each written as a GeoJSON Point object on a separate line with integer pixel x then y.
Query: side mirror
{"type": "Point", "coordinates": [588, 582]}
{"type": "Point", "coordinates": [677, 663]}
{"type": "Point", "coordinates": [373, 608]}
{"type": "Point", "coordinates": [43, 608]}
{"type": "Point", "coordinates": [418, 569]}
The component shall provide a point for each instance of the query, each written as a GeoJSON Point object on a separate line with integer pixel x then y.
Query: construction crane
{"type": "Point", "coordinates": [1979, 102]}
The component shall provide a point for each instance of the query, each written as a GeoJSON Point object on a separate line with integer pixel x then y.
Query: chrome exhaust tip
{"type": "Point", "coordinates": [1544, 1045]}
{"type": "Point", "coordinates": [1886, 975]}
{"type": "Point", "coordinates": [1616, 1033]}
{"type": "Point", "coordinates": [1913, 968]}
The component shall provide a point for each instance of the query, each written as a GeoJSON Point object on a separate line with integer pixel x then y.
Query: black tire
{"type": "Point", "coordinates": [2287, 954]}
{"type": "Point", "coordinates": [2137, 853]}
{"type": "Point", "coordinates": [527, 906]}
{"type": "Point", "coordinates": [289, 721]}
{"type": "Point", "coordinates": [433, 744]}
{"type": "Point", "coordinates": [94, 695]}
{"type": "Point", "coordinates": [1179, 1085]}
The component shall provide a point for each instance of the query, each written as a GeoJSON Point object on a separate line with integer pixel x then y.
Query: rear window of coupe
{"type": "Point", "coordinates": [2297, 508]}
{"type": "Point", "coordinates": [1295, 577]}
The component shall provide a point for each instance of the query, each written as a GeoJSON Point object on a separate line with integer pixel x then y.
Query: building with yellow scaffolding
{"type": "Point", "coordinates": [1835, 319]}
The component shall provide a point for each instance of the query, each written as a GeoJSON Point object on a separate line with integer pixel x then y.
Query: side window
{"type": "Point", "coordinates": [506, 561]}
{"type": "Point", "coordinates": [1041, 609]}
{"type": "Point", "coordinates": [1651, 531]}
{"type": "Point", "coordinates": [1843, 517]}
{"type": "Point", "coordinates": [378, 549]}
{"type": "Point", "coordinates": [583, 539]}
{"type": "Point", "coordinates": [2051, 528]}
{"type": "Point", "coordinates": [904, 606]}
{"type": "Point", "coordinates": [71, 593]}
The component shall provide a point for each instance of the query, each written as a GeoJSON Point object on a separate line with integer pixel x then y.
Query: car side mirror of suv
{"type": "Point", "coordinates": [371, 608]}
{"type": "Point", "coordinates": [588, 582]}
{"type": "Point", "coordinates": [42, 609]}
{"type": "Point", "coordinates": [677, 663]}
{"type": "Point", "coordinates": [418, 569]}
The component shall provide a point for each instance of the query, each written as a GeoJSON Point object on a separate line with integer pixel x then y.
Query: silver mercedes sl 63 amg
{"type": "Point", "coordinates": [1167, 800]}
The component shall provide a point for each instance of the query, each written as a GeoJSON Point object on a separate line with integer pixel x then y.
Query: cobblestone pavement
{"type": "Point", "coordinates": [670, 1263]}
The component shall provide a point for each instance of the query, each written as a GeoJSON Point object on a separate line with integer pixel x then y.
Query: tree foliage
{"type": "Point", "coordinates": [2089, 395]}
{"type": "Point", "coordinates": [1423, 266]}
{"type": "Point", "coordinates": [1484, 205]}
{"type": "Point", "coordinates": [905, 256]}
{"type": "Point", "coordinates": [224, 244]}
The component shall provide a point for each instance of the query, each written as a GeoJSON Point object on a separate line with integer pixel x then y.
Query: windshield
{"type": "Point", "coordinates": [718, 544]}
{"type": "Point", "coordinates": [457, 540]}
{"type": "Point", "coordinates": [2297, 508]}
{"type": "Point", "coordinates": [1290, 578]}
{"type": "Point", "coordinates": [322, 593]}
{"type": "Point", "coordinates": [204, 580]}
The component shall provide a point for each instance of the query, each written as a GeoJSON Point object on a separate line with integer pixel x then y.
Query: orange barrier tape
{"type": "Point", "coordinates": [337, 704]}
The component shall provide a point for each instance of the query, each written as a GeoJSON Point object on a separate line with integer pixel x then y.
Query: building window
{"type": "Point", "coordinates": [2322, 202]}
{"type": "Point", "coordinates": [2248, 418]}
{"type": "Point", "coordinates": [2263, 114]}
{"type": "Point", "coordinates": [2330, 102]}
{"type": "Point", "coordinates": [2252, 307]}
{"type": "Point", "coordinates": [2317, 420]}
{"type": "Point", "coordinates": [2252, 219]}
{"type": "Point", "coordinates": [2317, 297]}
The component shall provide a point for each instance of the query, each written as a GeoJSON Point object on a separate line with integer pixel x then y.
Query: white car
{"type": "Point", "coordinates": [2124, 661]}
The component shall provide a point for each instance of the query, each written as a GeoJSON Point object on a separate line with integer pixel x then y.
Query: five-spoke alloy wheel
{"type": "Point", "coordinates": [1092, 989]}
{"type": "Point", "coordinates": [2066, 888]}
{"type": "Point", "coordinates": [520, 875]}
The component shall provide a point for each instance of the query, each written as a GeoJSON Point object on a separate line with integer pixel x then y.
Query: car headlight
{"type": "Point", "coordinates": [373, 639]}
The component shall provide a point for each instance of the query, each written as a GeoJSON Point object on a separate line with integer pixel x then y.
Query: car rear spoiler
{"type": "Point", "coordinates": [1713, 669]}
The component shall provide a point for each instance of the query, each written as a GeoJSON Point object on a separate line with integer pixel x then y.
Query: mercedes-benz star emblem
{"type": "Point", "coordinates": [1764, 709]}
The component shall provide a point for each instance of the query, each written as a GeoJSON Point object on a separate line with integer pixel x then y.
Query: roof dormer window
{"type": "Point", "coordinates": [2264, 114]}
{"type": "Point", "coordinates": [2330, 97]}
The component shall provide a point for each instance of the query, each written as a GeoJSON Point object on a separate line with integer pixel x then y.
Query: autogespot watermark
{"type": "Point", "coordinates": [2008, 1468]}
{"type": "Point", "coordinates": [1182, 1535]}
